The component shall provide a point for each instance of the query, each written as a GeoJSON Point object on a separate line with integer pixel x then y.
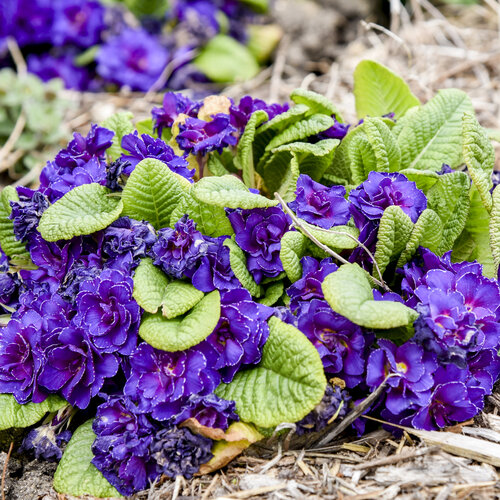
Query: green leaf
{"type": "Point", "coordinates": [338, 237]}
{"type": "Point", "coordinates": [8, 242]}
{"type": "Point", "coordinates": [293, 247]}
{"type": "Point", "coordinates": [449, 198]}
{"type": "Point", "coordinates": [151, 193]}
{"type": "Point", "coordinates": [83, 210]}
{"type": "Point", "coordinates": [495, 229]}
{"type": "Point", "coordinates": [150, 283]}
{"type": "Point", "coordinates": [179, 297]}
{"type": "Point", "coordinates": [479, 156]}
{"type": "Point", "coordinates": [211, 220]}
{"type": "Point", "coordinates": [228, 192]}
{"type": "Point", "coordinates": [238, 263]}
{"type": "Point", "coordinates": [14, 415]}
{"type": "Point", "coordinates": [260, 6]}
{"type": "Point", "coordinates": [272, 294]}
{"type": "Point", "coordinates": [120, 124]}
{"type": "Point", "coordinates": [424, 179]}
{"type": "Point", "coordinates": [181, 333]}
{"type": "Point", "coordinates": [75, 474]}
{"type": "Point", "coordinates": [289, 181]}
{"type": "Point", "coordinates": [427, 232]}
{"type": "Point", "coordinates": [432, 135]}
{"type": "Point", "coordinates": [244, 152]}
{"type": "Point", "coordinates": [145, 127]}
{"type": "Point", "coordinates": [349, 293]}
{"type": "Point", "coordinates": [215, 165]}
{"type": "Point", "coordinates": [392, 237]}
{"type": "Point", "coordinates": [316, 103]}
{"type": "Point", "coordinates": [225, 60]}
{"type": "Point", "coordinates": [378, 91]}
{"type": "Point", "coordinates": [285, 386]}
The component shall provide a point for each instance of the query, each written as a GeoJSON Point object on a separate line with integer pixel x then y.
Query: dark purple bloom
{"type": "Point", "coordinates": [10, 285]}
{"type": "Point", "coordinates": [133, 58]}
{"type": "Point", "coordinates": [240, 334]}
{"type": "Point", "coordinates": [198, 136]}
{"type": "Point", "coordinates": [179, 452]}
{"type": "Point", "coordinates": [241, 113]}
{"type": "Point", "coordinates": [309, 286]}
{"type": "Point", "coordinates": [162, 381]}
{"type": "Point", "coordinates": [45, 443]}
{"type": "Point", "coordinates": [340, 343]}
{"type": "Point", "coordinates": [174, 104]}
{"type": "Point", "coordinates": [75, 368]}
{"type": "Point", "coordinates": [108, 313]}
{"type": "Point", "coordinates": [149, 147]}
{"type": "Point", "coordinates": [199, 17]}
{"type": "Point", "coordinates": [86, 268]}
{"type": "Point", "coordinates": [337, 131]}
{"type": "Point", "coordinates": [320, 205]}
{"type": "Point", "coordinates": [445, 169]}
{"type": "Point", "coordinates": [259, 232]}
{"type": "Point", "coordinates": [210, 411]}
{"type": "Point", "coordinates": [381, 190]}
{"type": "Point", "coordinates": [26, 212]}
{"type": "Point", "coordinates": [178, 250]}
{"type": "Point", "coordinates": [114, 172]}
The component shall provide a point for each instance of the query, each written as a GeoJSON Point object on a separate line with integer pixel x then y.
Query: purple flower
{"type": "Point", "coordinates": [209, 410]}
{"type": "Point", "coordinates": [44, 443]}
{"type": "Point", "coordinates": [109, 314]}
{"type": "Point", "coordinates": [258, 233]}
{"type": "Point", "coordinates": [10, 285]}
{"type": "Point", "coordinates": [26, 212]}
{"type": "Point", "coordinates": [79, 23]}
{"type": "Point", "coordinates": [339, 342]}
{"type": "Point", "coordinates": [174, 104]}
{"type": "Point", "coordinates": [114, 172]}
{"type": "Point", "coordinates": [199, 17]}
{"type": "Point", "coordinates": [75, 368]}
{"type": "Point", "coordinates": [320, 205]}
{"type": "Point", "coordinates": [179, 452]}
{"type": "Point", "coordinates": [337, 131]}
{"type": "Point", "coordinates": [149, 147]}
{"type": "Point", "coordinates": [133, 58]}
{"type": "Point", "coordinates": [198, 136]}
{"type": "Point", "coordinates": [240, 334]}
{"type": "Point", "coordinates": [162, 381]}
{"type": "Point", "coordinates": [381, 190]}
{"type": "Point", "coordinates": [178, 250]}
{"type": "Point", "coordinates": [309, 286]}
{"type": "Point", "coordinates": [241, 113]}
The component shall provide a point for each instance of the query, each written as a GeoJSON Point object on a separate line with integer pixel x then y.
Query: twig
{"type": "Point", "coordinates": [210, 488]}
{"type": "Point", "coordinates": [13, 137]}
{"type": "Point", "coordinates": [4, 473]}
{"type": "Point", "coordinates": [272, 462]}
{"type": "Point", "coordinates": [177, 487]}
{"type": "Point", "coordinates": [394, 459]}
{"type": "Point", "coordinates": [279, 66]}
{"type": "Point", "coordinates": [258, 491]}
{"type": "Point", "coordinates": [17, 56]}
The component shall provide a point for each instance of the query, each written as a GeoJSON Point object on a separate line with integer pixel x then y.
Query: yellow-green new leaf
{"type": "Point", "coordinates": [495, 229]}
{"type": "Point", "coordinates": [316, 103]}
{"type": "Point", "coordinates": [179, 298]}
{"type": "Point", "coordinates": [150, 283]}
{"type": "Point", "coordinates": [293, 247]}
{"type": "Point", "coordinates": [238, 262]}
{"type": "Point", "coordinates": [8, 242]}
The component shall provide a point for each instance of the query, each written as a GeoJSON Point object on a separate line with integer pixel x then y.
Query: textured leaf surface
{"type": "Point", "coordinates": [433, 134]}
{"type": "Point", "coordinates": [228, 192]}
{"type": "Point", "coordinates": [151, 193]}
{"type": "Point", "coordinates": [424, 179]}
{"type": "Point", "coordinates": [150, 283]}
{"type": "Point", "coordinates": [316, 103]}
{"type": "Point", "coordinates": [238, 263]}
{"type": "Point", "coordinates": [83, 210]}
{"type": "Point", "coordinates": [12, 414]}
{"type": "Point", "coordinates": [75, 474]}
{"type": "Point", "coordinates": [289, 181]}
{"type": "Point", "coordinates": [272, 294]}
{"type": "Point", "coordinates": [393, 235]}
{"type": "Point", "coordinates": [378, 91]}
{"type": "Point", "coordinates": [340, 237]}
{"type": "Point", "coordinates": [449, 198]}
{"type": "Point", "coordinates": [179, 298]}
{"type": "Point", "coordinates": [479, 156]}
{"type": "Point", "coordinates": [349, 293]}
{"type": "Point", "coordinates": [183, 332]}
{"type": "Point", "coordinates": [120, 124]}
{"type": "Point", "coordinates": [285, 386]}
{"type": "Point", "coordinates": [8, 242]}
{"type": "Point", "coordinates": [293, 247]}
{"type": "Point", "coordinates": [495, 229]}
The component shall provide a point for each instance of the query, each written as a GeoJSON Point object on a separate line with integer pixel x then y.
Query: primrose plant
{"type": "Point", "coordinates": [193, 280]}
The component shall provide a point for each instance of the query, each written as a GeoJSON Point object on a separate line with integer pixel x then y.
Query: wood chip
{"type": "Point", "coordinates": [257, 491]}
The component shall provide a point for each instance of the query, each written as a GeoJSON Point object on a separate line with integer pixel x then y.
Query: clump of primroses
{"type": "Point", "coordinates": [72, 323]}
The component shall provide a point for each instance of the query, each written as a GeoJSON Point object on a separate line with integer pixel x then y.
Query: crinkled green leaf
{"type": "Point", "coordinates": [228, 192]}
{"type": "Point", "coordinates": [8, 242]}
{"type": "Point", "coordinates": [316, 103]}
{"type": "Point", "coordinates": [150, 283]}
{"type": "Point", "coordinates": [211, 220]}
{"type": "Point", "coordinates": [433, 134]}
{"type": "Point", "coordinates": [427, 232]}
{"type": "Point", "coordinates": [179, 297]}
{"type": "Point", "coordinates": [83, 210]}
{"type": "Point", "coordinates": [145, 127]}
{"type": "Point", "coordinates": [449, 198]}
{"type": "Point", "coordinates": [349, 293]}
{"type": "Point", "coordinates": [479, 156]}
{"type": "Point", "coordinates": [393, 235]}
{"type": "Point", "coordinates": [378, 91]}
{"type": "Point", "coordinates": [14, 415]}
{"type": "Point", "coordinates": [238, 263]}
{"type": "Point", "coordinates": [293, 247]}
{"type": "Point", "coordinates": [285, 386]}
{"type": "Point", "coordinates": [272, 294]}
{"type": "Point", "coordinates": [121, 124]}
{"type": "Point", "coordinates": [424, 179]}
{"type": "Point", "coordinates": [182, 332]}
{"type": "Point", "coordinates": [289, 181]}
{"type": "Point", "coordinates": [244, 153]}
{"type": "Point", "coordinates": [75, 474]}
{"type": "Point", "coordinates": [152, 192]}
{"type": "Point", "coordinates": [495, 228]}
{"type": "Point", "coordinates": [215, 165]}
{"type": "Point", "coordinates": [338, 237]}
